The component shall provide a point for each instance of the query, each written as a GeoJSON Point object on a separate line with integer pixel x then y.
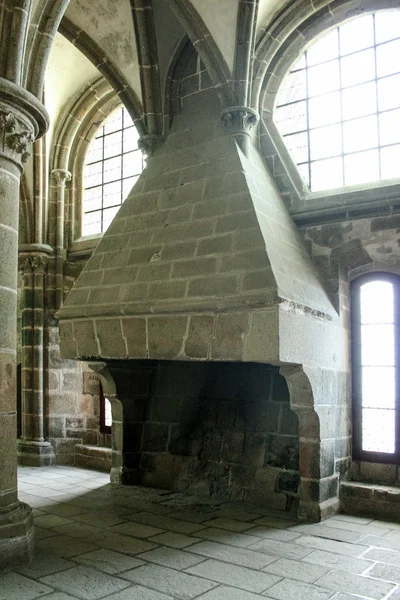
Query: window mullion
{"type": "Point", "coordinates": [377, 101]}
{"type": "Point", "coordinates": [396, 289]}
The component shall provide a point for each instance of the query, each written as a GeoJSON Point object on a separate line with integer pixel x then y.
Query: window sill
{"type": "Point", "coordinates": [83, 247]}
{"type": "Point", "coordinates": [345, 203]}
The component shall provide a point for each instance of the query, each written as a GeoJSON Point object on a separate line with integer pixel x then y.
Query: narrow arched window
{"type": "Point", "coordinates": [105, 413]}
{"type": "Point", "coordinates": [375, 367]}
{"type": "Point", "coordinates": [338, 109]}
{"type": "Point", "coordinates": [113, 164]}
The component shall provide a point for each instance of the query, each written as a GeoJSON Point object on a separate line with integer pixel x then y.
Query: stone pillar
{"type": "Point", "coordinates": [22, 118]}
{"type": "Point", "coordinates": [62, 176]}
{"type": "Point", "coordinates": [33, 449]}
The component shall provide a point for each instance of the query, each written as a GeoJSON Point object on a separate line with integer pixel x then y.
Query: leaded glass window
{"type": "Point", "coordinates": [338, 109]}
{"type": "Point", "coordinates": [375, 368]}
{"type": "Point", "coordinates": [113, 164]}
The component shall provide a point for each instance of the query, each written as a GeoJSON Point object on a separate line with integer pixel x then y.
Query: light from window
{"type": "Point", "coordinates": [107, 413]}
{"type": "Point", "coordinates": [378, 366]}
{"type": "Point", "coordinates": [338, 109]}
{"type": "Point", "coordinates": [113, 165]}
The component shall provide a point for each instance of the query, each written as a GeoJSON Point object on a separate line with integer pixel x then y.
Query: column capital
{"type": "Point", "coordinates": [239, 122]}
{"type": "Point", "coordinates": [239, 119]}
{"type": "Point", "coordinates": [16, 134]}
{"type": "Point", "coordinates": [22, 119]}
{"type": "Point", "coordinates": [149, 143]}
{"type": "Point", "coordinates": [62, 176]}
{"type": "Point", "coordinates": [39, 262]}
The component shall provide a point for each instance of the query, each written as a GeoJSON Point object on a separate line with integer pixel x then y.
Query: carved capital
{"type": "Point", "coordinates": [149, 143]}
{"type": "Point", "coordinates": [62, 176]}
{"type": "Point", "coordinates": [39, 263]}
{"type": "Point", "coordinates": [16, 134]}
{"type": "Point", "coordinates": [24, 263]}
{"type": "Point", "coordinates": [239, 119]}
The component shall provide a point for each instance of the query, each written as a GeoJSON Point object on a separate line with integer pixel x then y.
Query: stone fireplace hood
{"type": "Point", "coordinates": [202, 262]}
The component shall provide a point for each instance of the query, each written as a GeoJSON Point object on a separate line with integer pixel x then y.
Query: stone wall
{"type": "Point", "coordinates": [71, 389]}
{"type": "Point", "coordinates": [212, 429]}
{"type": "Point", "coordinates": [73, 403]}
{"type": "Point", "coordinates": [342, 251]}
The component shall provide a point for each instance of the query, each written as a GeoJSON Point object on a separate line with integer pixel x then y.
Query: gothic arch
{"type": "Point", "coordinates": [73, 136]}
{"type": "Point", "coordinates": [207, 49]}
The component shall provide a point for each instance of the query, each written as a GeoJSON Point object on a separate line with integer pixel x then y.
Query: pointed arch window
{"type": "Point", "coordinates": [338, 109]}
{"type": "Point", "coordinates": [113, 165]}
{"type": "Point", "coordinates": [375, 309]}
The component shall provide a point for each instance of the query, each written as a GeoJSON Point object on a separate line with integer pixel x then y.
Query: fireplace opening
{"type": "Point", "coordinates": [213, 429]}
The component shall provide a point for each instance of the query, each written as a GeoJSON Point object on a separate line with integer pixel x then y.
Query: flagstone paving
{"type": "Point", "coordinates": [96, 541]}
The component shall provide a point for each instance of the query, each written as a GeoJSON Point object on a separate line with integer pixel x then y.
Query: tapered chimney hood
{"type": "Point", "coordinates": [202, 262]}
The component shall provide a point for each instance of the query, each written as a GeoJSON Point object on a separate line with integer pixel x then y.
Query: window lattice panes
{"type": "Point", "coordinates": [113, 164]}
{"type": "Point", "coordinates": [375, 367]}
{"type": "Point", "coordinates": [338, 109]}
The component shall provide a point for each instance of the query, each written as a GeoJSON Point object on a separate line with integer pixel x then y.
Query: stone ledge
{"type": "Point", "coordinates": [93, 457]}
{"type": "Point", "coordinates": [370, 499]}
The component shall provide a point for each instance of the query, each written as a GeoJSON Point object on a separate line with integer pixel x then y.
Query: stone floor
{"type": "Point", "coordinates": [94, 541]}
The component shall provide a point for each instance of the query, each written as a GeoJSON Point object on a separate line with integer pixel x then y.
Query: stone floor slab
{"type": "Point", "coordinates": [66, 546]}
{"type": "Point", "coordinates": [287, 550]}
{"type": "Point", "coordinates": [171, 557]}
{"type": "Point", "coordinates": [281, 535]}
{"type": "Point", "coordinates": [241, 577]}
{"type": "Point", "coordinates": [224, 592]}
{"type": "Point", "coordinates": [237, 556]}
{"type": "Point", "coordinates": [167, 523]}
{"type": "Point", "coordinates": [136, 529]}
{"type": "Point", "coordinates": [297, 570]}
{"type": "Point", "coordinates": [229, 524]}
{"type": "Point", "coordinates": [85, 583]}
{"type": "Point", "coordinates": [340, 562]}
{"type": "Point", "coordinates": [330, 545]}
{"type": "Point", "coordinates": [174, 540]}
{"type": "Point", "coordinates": [296, 590]}
{"type": "Point", "coordinates": [43, 564]}
{"type": "Point", "coordinates": [137, 592]}
{"type": "Point", "coordinates": [227, 537]}
{"type": "Point", "coordinates": [126, 544]}
{"type": "Point", "coordinates": [181, 586]}
{"type": "Point", "coordinates": [356, 584]}
{"type": "Point", "coordinates": [108, 561]}
{"type": "Point", "coordinates": [14, 586]}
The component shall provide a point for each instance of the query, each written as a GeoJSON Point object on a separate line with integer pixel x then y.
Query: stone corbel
{"type": "Point", "coordinates": [62, 176]}
{"type": "Point", "coordinates": [15, 137]}
{"type": "Point", "coordinates": [39, 263]}
{"type": "Point", "coordinates": [240, 121]}
{"type": "Point", "coordinates": [149, 143]}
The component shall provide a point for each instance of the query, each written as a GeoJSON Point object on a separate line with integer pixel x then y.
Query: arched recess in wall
{"type": "Point", "coordinates": [183, 54]}
{"type": "Point", "coordinates": [207, 49]}
{"type": "Point", "coordinates": [72, 139]}
{"type": "Point", "coordinates": [286, 38]}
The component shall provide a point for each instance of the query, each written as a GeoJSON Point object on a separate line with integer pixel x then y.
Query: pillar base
{"type": "Point", "coordinates": [16, 537]}
{"type": "Point", "coordinates": [315, 512]}
{"type": "Point", "coordinates": [125, 476]}
{"type": "Point", "coordinates": [36, 454]}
